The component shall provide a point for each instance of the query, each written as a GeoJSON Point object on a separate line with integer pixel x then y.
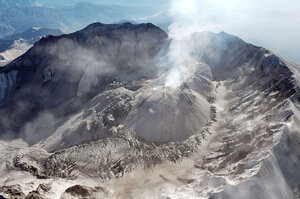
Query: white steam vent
{"type": "Point", "coordinates": [180, 31]}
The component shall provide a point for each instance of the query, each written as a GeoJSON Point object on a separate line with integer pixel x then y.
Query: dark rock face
{"type": "Point", "coordinates": [13, 191]}
{"type": "Point", "coordinates": [39, 192]}
{"type": "Point", "coordinates": [34, 195]}
{"type": "Point", "coordinates": [79, 191]}
{"type": "Point", "coordinates": [92, 57]}
{"type": "Point", "coordinates": [44, 188]}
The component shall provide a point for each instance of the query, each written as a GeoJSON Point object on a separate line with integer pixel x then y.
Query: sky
{"type": "Point", "coordinates": [273, 24]}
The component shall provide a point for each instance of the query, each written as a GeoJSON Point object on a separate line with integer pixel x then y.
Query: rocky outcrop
{"type": "Point", "coordinates": [40, 192]}
{"type": "Point", "coordinates": [7, 84]}
{"type": "Point", "coordinates": [79, 191]}
{"type": "Point", "coordinates": [13, 191]}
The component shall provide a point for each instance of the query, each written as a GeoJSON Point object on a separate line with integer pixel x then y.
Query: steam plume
{"type": "Point", "coordinates": [185, 22]}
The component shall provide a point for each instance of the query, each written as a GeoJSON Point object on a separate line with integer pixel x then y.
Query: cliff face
{"type": "Point", "coordinates": [76, 66]}
{"type": "Point", "coordinates": [7, 82]}
{"type": "Point", "coordinates": [122, 45]}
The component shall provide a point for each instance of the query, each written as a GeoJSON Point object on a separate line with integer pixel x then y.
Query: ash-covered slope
{"type": "Point", "coordinates": [157, 114]}
{"type": "Point", "coordinates": [233, 123]}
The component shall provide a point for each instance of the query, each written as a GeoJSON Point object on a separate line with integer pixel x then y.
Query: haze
{"type": "Point", "coordinates": [273, 24]}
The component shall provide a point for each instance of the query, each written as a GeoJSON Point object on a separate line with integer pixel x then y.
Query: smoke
{"type": "Point", "coordinates": [273, 24]}
{"type": "Point", "coordinates": [187, 18]}
{"type": "Point", "coordinates": [38, 129]}
{"type": "Point", "coordinates": [87, 66]}
{"type": "Point", "coordinates": [83, 65]}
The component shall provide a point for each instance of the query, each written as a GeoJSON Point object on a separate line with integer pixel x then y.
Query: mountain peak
{"type": "Point", "coordinates": [126, 25]}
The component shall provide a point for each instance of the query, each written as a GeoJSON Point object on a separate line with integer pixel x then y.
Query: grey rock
{"type": "Point", "coordinates": [13, 191]}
